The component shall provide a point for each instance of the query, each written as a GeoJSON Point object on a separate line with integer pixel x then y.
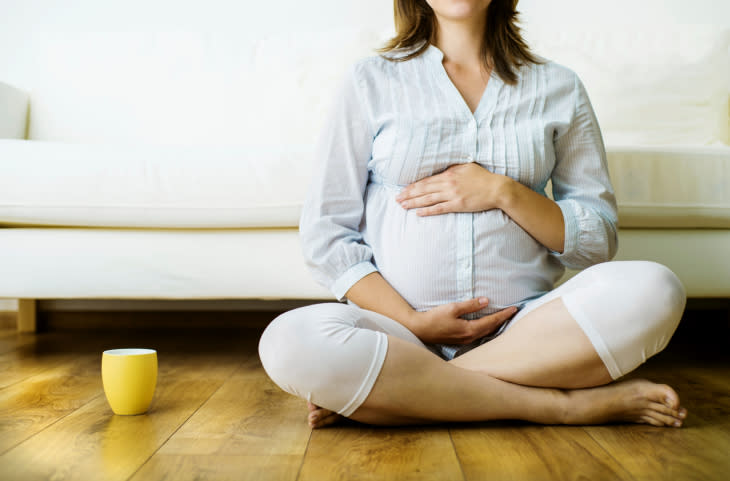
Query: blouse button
{"type": "Point", "coordinates": [469, 158]}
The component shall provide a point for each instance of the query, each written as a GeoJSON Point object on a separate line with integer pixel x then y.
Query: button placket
{"type": "Point", "coordinates": [472, 127]}
{"type": "Point", "coordinates": [465, 237]}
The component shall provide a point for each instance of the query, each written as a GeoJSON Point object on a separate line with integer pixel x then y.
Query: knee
{"type": "Point", "coordinates": [291, 346]}
{"type": "Point", "coordinates": [665, 298]}
{"type": "Point", "coordinates": [278, 345]}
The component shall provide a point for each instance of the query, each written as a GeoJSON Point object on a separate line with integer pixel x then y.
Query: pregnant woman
{"type": "Point", "coordinates": [427, 213]}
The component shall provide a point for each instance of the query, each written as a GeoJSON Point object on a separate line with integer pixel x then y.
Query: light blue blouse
{"type": "Point", "coordinates": [393, 123]}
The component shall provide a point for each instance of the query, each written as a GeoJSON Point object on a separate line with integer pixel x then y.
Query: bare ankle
{"type": "Point", "coordinates": [564, 406]}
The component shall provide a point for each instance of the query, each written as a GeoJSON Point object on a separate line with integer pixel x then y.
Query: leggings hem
{"type": "Point", "coordinates": [376, 365]}
{"type": "Point", "coordinates": [593, 336]}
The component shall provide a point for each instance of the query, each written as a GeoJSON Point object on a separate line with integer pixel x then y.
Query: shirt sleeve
{"type": "Point", "coordinates": [332, 245]}
{"type": "Point", "coordinates": [583, 190]}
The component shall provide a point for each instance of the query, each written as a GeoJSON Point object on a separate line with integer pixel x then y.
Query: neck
{"type": "Point", "coordinates": [460, 39]}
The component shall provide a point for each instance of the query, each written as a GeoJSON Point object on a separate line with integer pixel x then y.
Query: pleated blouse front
{"type": "Point", "coordinates": [393, 123]}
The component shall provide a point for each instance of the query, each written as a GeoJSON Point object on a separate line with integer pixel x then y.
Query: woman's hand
{"type": "Point", "coordinates": [460, 188]}
{"type": "Point", "coordinates": [442, 324]}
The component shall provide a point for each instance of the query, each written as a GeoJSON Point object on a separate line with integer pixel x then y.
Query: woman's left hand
{"type": "Point", "coordinates": [460, 188]}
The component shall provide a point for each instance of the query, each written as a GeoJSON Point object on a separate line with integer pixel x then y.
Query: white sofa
{"type": "Point", "coordinates": [172, 165]}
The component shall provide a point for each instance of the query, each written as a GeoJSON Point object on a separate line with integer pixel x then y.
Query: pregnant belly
{"type": "Point", "coordinates": [415, 254]}
{"type": "Point", "coordinates": [419, 255]}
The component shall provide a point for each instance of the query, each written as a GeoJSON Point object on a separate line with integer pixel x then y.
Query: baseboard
{"type": "Point", "coordinates": [55, 320]}
{"type": "Point", "coordinates": [8, 319]}
{"type": "Point", "coordinates": [175, 304]}
{"type": "Point", "coordinates": [8, 305]}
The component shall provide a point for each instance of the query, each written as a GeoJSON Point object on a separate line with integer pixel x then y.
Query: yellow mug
{"type": "Point", "coordinates": [129, 377]}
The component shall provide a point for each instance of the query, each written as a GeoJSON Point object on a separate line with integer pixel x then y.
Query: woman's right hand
{"type": "Point", "coordinates": [442, 324]}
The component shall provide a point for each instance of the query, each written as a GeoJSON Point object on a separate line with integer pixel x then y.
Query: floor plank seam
{"type": "Point", "coordinates": [53, 423]}
{"type": "Point", "coordinates": [234, 371]}
{"type": "Point", "coordinates": [456, 452]}
{"type": "Point", "coordinates": [42, 371]}
{"type": "Point", "coordinates": [304, 455]}
{"type": "Point", "coordinates": [600, 445]}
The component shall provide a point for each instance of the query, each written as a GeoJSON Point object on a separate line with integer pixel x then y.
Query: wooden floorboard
{"type": "Point", "coordinates": [697, 451]}
{"type": "Point", "coordinates": [216, 415]}
{"type": "Point", "coordinates": [356, 452]}
{"type": "Point", "coordinates": [517, 451]}
{"type": "Point", "coordinates": [92, 443]}
{"type": "Point", "coordinates": [248, 430]}
{"type": "Point", "coordinates": [28, 407]}
{"type": "Point", "coordinates": [28, 359]}
{"type": "Point", "coordinates": [11, 339]}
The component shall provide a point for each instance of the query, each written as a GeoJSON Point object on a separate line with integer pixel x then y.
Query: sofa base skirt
{"type": "Point", "coordinates": [94, 263]}
{"type": "Point", "coordinates": [91, 263]}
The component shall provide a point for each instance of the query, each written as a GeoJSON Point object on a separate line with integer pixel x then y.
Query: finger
{"type": "Point", "coordinates": [425, 186]}
{"type": "Point", "coordinates": [493, 321]}
{"type": "Point", "coordinates": [414, 193]}
{"type": "Point", "coordinates": [424, 200]}
{"type": "Point", "coordinates": [471, 305]}
{"type": "Point", "coordinates": [437, 209]}
{"type": "Point", "coordinates": [410, 191]}
{"type": "Point", "coordinates": [442, 208]}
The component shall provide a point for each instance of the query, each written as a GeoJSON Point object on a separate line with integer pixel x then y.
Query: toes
{"type": "Point", "coordinates": [316, 416]}
{"type": "Point", "coordinates": [320, 414]}
{"type": "Point", "coordinates": [650, 420]}
{"type": "Point", "coordinates": [668, 397]}
{"type": "Point", "coordinates": [663, 409]}
{"type": "Point", "coordinates": [662, 419]}
{"type": "Point", "coordinates": [327, 421]}
{"type": "Point", "coordinates": [320, 422]}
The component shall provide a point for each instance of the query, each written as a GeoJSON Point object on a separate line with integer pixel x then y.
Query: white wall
{"type": "Point", "coordinates": [644, 13]}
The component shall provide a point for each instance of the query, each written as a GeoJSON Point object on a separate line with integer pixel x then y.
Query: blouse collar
{"type": "Point", "coordinates": [434, 54]}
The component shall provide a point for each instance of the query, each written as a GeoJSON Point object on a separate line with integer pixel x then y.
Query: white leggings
{"type": "Point", "coordinates": [331, 353]}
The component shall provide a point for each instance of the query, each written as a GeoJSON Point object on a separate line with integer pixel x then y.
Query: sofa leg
{"type": "Point", "coordinates": [27, 315]}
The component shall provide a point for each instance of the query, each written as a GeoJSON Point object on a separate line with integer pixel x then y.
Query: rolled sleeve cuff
{"type": "Point", "coordinates": [570, 212]}
{"type": "Point", "coordinates": [350, 277]}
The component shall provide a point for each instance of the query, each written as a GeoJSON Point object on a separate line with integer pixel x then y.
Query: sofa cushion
{"type": "Point", "coordinates": [65, 184]}
{"type": "Point", "coordinates": [189, 87]}
{"type": "Point", "coordinates": [13, 112]}
{"type": "Point", "coordinates": [681, 187]}
{"type": "Point", "coordinates": [649, 86]}
{"type": "Point", "coordinates": [90, 185]}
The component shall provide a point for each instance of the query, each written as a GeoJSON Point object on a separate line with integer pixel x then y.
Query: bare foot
{"type": "Point", "coordinates": [635, 400]}
{"type": "Point", "coordinates": [321, 417]}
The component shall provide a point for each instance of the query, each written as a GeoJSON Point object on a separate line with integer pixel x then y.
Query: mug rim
{"type": "Point", "coordinates": [129, 351]}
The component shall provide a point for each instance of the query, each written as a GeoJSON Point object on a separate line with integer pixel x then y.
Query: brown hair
{"type": "Point", "coordinates": [503, 48]}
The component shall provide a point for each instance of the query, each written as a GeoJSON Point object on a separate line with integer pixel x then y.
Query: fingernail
{"type": "Point", "coordinates": [482, 300]}
{"type": "Point", "coordinates": [677, 423]}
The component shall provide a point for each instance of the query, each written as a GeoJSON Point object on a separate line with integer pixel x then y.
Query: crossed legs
{"type": "Point", "coordinates": [522, 374]}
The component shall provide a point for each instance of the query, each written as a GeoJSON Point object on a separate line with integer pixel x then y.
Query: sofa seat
{"type": "Point", "coordinates": [671, 187]}
{"type": "Point", "coordinates": [49, 183]}
{"type": "Point", "coordinates": [233, 186]}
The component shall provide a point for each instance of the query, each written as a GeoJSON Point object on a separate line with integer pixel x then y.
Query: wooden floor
{"type": "Point", "coordinates": [216, 415]}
